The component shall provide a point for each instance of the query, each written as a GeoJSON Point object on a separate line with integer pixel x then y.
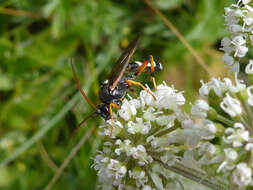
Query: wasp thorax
{"type": "Point", "coordinates": [108, 95]}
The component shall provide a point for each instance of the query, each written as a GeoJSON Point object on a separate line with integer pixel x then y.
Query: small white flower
{"type": "Point", "coordinates": [200, 109]}
{"type": "Point", "coordinates": [204, 89]}
{"type": "Point", "coordinates": [140, 177]}
{"type": "Point", "coordinates": [145, 98]}
{"type": "Point", "coordinates": [150, 114]}
{"type": "Point", "coordinates": [217, 85]}
{"type": "Point", "coordinates": [230, 62]}
{"type": "Point", "coordinates": [248, 20]}
{"type": "Point", "coordinates": [124, 147]}
{"type": "Point", "coordinates": [231, 154]}
{"type": "Point", "coordinates": [237, 135]}
{"type": "Point", "coordinates": [228, 164]}
{"type": "Point", "coordinates": [226, 45]}
{"type": "Point", "coordinates": [249, 8]}
{"type": "Point", "coordinates": [210, 126]}
{"type": "Point", "coordinates": [139, 153]}
{"type": "Point", "coordinates": [208, 148]}
{"type": "Point", "coordinates": [245, 2]}
{"type": "Point", "coordinates": [240, 49]}
{"type": "Point", "coordinates": [109, 170]}
{"type": "Point", "coordinates": [242, 176]}
{"type": "Point", "coordinates": [166, 120]}
{"type": "Point", "coordinates": [228, 59]}
{"type": "Point", "coordinates": [235, 28]}
{"type": "Point", "coordinates": [128, 109]}
{"type": "Point", "coordinates": [240, 85]}
{"type": "Point", "coordinates": [168, 98]}
{"type": "Point", "coordinates": [249, 146]}
{"type": "Point", "coordinates": [187, 123]}
{"type": "Point", "coordinates": [249, 67]}
{"type": "Point", "coordinates": [231, 106]}
{"type": "Point", "coordinates": [191, 135]}
{"type": "Point", "coordinates": [139, 126]}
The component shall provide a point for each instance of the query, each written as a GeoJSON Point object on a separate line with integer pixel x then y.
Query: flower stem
{"type": "Point", "coordinates": [246, 125]}
{"type": "Point", "coordinates": [224, 120]}
{"type": "Point", "coordinates": [166, 131]}
{"type": "Point", "coordinates": [250, 78]}
{"type": "Point", "coordinates": [249, 111]}
{"type": "Point", "coordinates": [195, 175]}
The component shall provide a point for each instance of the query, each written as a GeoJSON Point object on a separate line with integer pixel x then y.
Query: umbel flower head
{"type": "Point", "coordinates": [149, 138]}
{"type": "Point", "coordinates": [228, 110]}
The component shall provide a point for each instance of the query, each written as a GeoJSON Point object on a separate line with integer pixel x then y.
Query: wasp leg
{"type": "Point", "coordinates": [142, 67]}
{"type": "Point", "coordinates": [152, 69]}
{"type": "Point", "coordinates": [132, 82]}
{"type": "Point", "coordinates": [112, 105]}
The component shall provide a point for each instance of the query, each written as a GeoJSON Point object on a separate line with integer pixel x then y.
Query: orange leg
{"type": "Point", "coordinates": [144, 65]}
{"type": "Point", "coordinates": [112, 105]}
{"type": "Point", "coordinates": [132, 82]}
{"type": "Point", "coordinates": [152, 70]}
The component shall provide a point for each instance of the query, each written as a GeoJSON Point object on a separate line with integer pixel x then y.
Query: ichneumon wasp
{"type": "Point", "coordinates": [114, 88]}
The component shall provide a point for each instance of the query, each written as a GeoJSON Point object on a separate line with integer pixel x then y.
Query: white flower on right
{"type": "Point", "coordinates": [239, 22]}
{"type": "Point", "coordinates": [231, 106]}
{"type": "Point", "coordinates": [239, 46]}
{"type": "Point", "coordinates": [236, 135]}
{"type": "Point", "coordinates": [249, 67]}
{"type": "Point", "coordinates": [242, 176]}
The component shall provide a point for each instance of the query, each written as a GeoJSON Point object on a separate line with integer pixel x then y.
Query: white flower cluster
{"type": "Point", "coordinates": [229, 113]}
{"type": "Point", "coordinates": [148, 135]}
{"type": "Point", "coordinates": [239, 21]}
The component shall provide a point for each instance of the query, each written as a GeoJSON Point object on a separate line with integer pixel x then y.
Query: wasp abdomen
{"type": "Point", "coordinates": [133, 67]}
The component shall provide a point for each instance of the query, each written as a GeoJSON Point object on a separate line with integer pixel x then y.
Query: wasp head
{"type": "Point", "coordinates": [103, 111]}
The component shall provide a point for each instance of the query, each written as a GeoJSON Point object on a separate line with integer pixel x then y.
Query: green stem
{"type": "Point", "coordinates": [166, 131]}
{"type": "Point", "coordinates": [195, 175]}
{"type": "Point", "coordinates": [224, 120]}
{"type": "Point", "coordinates": [246, 125]}
{"type": "Point", "coordinates": [250, 78]}
{"type": "Point", "coordinates": [249, 111]}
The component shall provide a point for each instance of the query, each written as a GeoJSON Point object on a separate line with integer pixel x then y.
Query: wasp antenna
{"type": "Point", "coordinates": [80, 88]}
{"type": "Point", "coordinates": [80, 124]}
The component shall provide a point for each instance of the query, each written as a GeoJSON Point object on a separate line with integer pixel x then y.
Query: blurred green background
{"type": "Point", "coordinates": [39, 102]}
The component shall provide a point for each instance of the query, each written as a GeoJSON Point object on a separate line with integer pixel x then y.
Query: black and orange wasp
{"type": "Point", "coordinates": [119, 81]}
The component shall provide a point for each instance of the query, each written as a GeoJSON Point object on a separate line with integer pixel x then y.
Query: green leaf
{"type": "Point", "coordinates": [5, 83]}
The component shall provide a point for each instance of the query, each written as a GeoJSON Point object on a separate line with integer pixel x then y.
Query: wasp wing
{"type": "Point", "coordinates": [121, 65]}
